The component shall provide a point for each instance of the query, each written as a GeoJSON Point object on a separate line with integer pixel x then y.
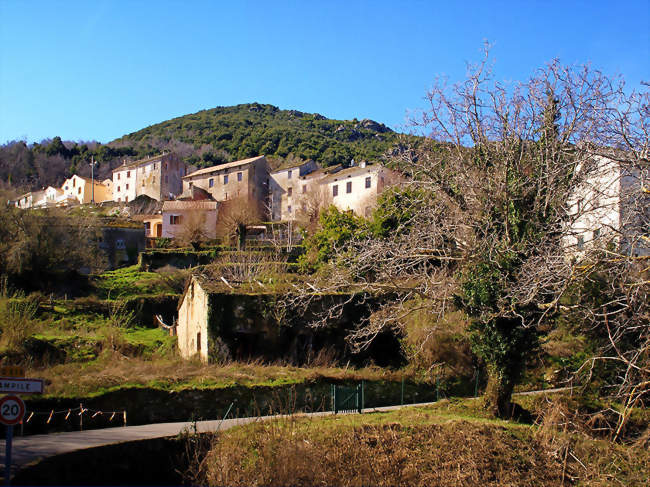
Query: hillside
{"type": "Point", "coordinates": [205, 138]}
{"type": "Point", "coordinates": [243, 131]}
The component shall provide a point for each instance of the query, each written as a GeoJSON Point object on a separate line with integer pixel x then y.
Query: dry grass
{"type": "Point", "coordinates": [114, 371]}
{"type": "Point", "coordinates": [415, 447]}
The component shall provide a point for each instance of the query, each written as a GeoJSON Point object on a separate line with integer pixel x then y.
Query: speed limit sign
{"type": "Point", "coordinates": [12, 410]}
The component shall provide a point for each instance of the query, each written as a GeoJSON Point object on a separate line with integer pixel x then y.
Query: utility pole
{"type": "Point", "coordinates": [92, 179]}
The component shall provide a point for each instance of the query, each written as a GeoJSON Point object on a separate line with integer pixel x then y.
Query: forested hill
{"type": "Point", "coordinates": [205, 138]}
{"type": "Point", "coordinates": [248, 130]}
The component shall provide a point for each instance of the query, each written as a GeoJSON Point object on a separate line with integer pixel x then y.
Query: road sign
{"type": "Point", "coordinates": [21, 386]}
{"type": "Point", "coordinates": [12, 371]}
{"type": "Point", "coordinates": [12, 410]}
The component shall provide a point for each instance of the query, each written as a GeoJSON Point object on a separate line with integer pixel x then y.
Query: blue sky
{"type": "Point", "coordinates": [96, 70]}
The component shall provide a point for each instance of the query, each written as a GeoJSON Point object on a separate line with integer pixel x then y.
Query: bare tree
{"type": "Point", "coordinates": [492, 235]}
{"type": "Point", "coordinates": [234, 216]}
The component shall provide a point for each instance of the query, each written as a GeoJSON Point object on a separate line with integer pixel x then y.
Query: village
{"type": "Point", "coordinates": [284, 194]}
{"type": "Point", "coordinates": [304, 243]}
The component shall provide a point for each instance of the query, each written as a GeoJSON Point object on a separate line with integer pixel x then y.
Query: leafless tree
{"type": "Point", "coordinates": [497, 186]}
{"type": "Point", "coordinates": [234, 216]}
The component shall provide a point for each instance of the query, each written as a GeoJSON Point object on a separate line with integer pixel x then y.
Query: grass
{"type": "Point", "coordinates": [450, 443]}
{"type": "Point", "coordinates": [112, 371]}
{"type": "Point", "coordinates": [129, 281]}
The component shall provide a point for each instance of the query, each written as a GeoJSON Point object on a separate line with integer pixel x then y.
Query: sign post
{"type": "Point", "coordinates": [12, 407]}
{"type": "Point", "coordinates": [12, 410]}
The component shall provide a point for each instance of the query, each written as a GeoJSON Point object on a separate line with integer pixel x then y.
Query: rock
{"type": "Point", "coordinates": [372, 125]}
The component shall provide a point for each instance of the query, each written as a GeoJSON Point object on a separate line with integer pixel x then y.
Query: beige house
{"type": "Point", "coordinates": [356, 188]}
{"type": "Point", "coordinates": [179, 218]}
{"type": "Point", "coordinates": [84, 191]}
{"type": "Point", "coordinates": [159, 177]}
{"type": "Point", "coordinates": [286, 189]}
{"type": "Point", "coordinates": [247, 179]}
{"type": "Point", "coordinates": [153, 226]}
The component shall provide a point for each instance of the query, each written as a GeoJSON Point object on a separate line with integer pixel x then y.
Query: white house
{"type": "Point", "coordinates": [357, 188]}
{"type": "Point", "coordinates": [611, 204]}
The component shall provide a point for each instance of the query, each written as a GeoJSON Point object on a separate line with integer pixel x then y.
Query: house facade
{"type": "Point", "coordinates": [356, 188]}
{"type": "Point", "coordinates": [31, 200]}
{"type": "Point", "coordinates": [286, 187]}
{"type": "Point", "coordinates": [85, 191]}
{"type": "Point", "coordinates": [246, 179]}
{"type": "Point", "coordinates": [159, 177]}
{"type": "Point", "coordinates": [181, 217]}
{"type": "Point", "coordinates": [611, 204]}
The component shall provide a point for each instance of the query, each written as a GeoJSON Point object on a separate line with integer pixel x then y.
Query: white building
{"type": "Point", "coordinates": [85, 191]}
{"type": "Point", "coordinates": [357, 188]}
{"type": "Point", "coordinates": [611, 205]}
{"type": "Point", "coordinates": [159, 177]}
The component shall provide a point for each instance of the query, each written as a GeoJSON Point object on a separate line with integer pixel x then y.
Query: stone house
{"type": "Point", "coordinates": [122, 244]}
{"type": "Point", "coordinates": [217, 321]}
{"type": "Point", "coordinates": [85, 190]}
{"type": "Point", "coordinates": [159, 177]}
{"type": "Point", "coordinates": [247, 179]}
{"type": "Point", "coordinates": [180, 217]}
{"type": "Point", "coordinates": [286, 189]}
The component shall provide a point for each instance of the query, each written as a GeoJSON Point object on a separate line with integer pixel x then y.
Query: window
{"type": "Point", "coordinates": [74, 182]}
{"type": "Point", "coordinates": [66, 188]}
{"type": "Point", "coordinates": [289, 208]}
{"type": "Point", "coordinates": [289, 172]}
{"type": "Point", "coordinates": [154, 166]}
{"type": "Point", "coordinates": [127, 186]}
{"type": "Point", "coordinates": [581, 242]}
{"type": "Point", "coordinates": [166, 178]}
{"type": "Point", "coordinates": [120, 244]}
{"type": "Point", "coordinates": [198, 342]}
{"type": "Point", "coordinates": [240, 176]}
{"type": "Point", "coordinates": [368, 182]}
{"type": "Point", "coordinates": [79, 190]}
{"type": "Point", "coordinates": [143, 183]}
{"type": "Point", "coordinates": [118, 176]}
{"type": "Point", "coordinates": [335, 190]}
{"type": "Point", "coordinates": [174, 219]}
{"type": "Point", "coordinates": [304, 188]}
{"type": "Point", "coordinates": [211, 182]}
{"type": "Point", "coordinates": [348, 187]}
{"type": "Point", "coordinates": [118, 189]}
{"type": "Point", "coordinates": [225, 179]}
{"type": "Point", "coordinates": [165, 166]}
{"type": "Point", "coordinates": [128, 174]}
{"type": "Point", "coordinates": [289, 191]}
{"type": "Point", "coordinates": [147, 228]}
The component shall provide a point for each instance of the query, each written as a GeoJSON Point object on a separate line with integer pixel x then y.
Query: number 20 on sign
{"type": "Point", "coordinates": [12, 410]}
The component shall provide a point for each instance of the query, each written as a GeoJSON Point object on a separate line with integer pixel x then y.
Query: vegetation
{"type": "Point", "coordinates": [485, 225]}
{"type": "Point", "coordinates": [203, 139]}
{"type": "Point", "coordinates": [450, 443]}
